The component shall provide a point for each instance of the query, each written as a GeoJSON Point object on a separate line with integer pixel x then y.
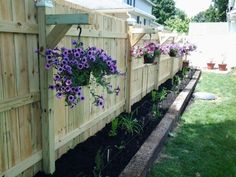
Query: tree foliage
{"type": "Point", "coordinates": [209, 15]}
{"type": "Point", "coordinates": [181, 14]}
{"type": "Point", "coordinates": [177, 24]}
{"type": "Point", "coordinates": [215, 13]}
{"type": "Point", "coordinates": [221, 6]}
{"type": "Point", "coordinates": [164, 10]}
{"type": "Point", "coordinates": [167, 14]}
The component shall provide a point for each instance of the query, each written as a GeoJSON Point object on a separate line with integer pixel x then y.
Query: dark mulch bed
{"type": "Point", "coordinates": [110, 155]}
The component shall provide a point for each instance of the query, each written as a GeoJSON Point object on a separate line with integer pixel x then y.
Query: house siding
{"type": "Point", "coordinates": [144, 5]}
{"type": "Point", "coordinates": [141, 4]}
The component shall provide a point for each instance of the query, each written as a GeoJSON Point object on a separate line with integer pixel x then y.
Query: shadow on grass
{"type": "Point", "coordinates": [199, 150]}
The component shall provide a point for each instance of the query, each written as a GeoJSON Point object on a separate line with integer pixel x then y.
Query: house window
{"type": "Point", "coordinates": [134, 3]}
{"type": "Point", "coordinates": [129, 2]}
{"type": "Point", "coordinates": [138, 19]}
{"type": "Point", "coordinates": [144, 21]}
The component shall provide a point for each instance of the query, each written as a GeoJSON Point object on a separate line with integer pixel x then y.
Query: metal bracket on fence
{"type": "Point", "coordinates": [80, 31]}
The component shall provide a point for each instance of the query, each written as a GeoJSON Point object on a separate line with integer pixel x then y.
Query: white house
{"type": "Point", "coordinates": [232, 16]}
{"type": "Point", "coordinates": [139, 11]}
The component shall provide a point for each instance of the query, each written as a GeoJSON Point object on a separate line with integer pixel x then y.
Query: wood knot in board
{"type": "Point", "coordinates": [41, 49]}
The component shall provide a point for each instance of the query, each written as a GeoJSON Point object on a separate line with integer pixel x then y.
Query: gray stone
{"type": "Point", "coordinates": [204, 96]}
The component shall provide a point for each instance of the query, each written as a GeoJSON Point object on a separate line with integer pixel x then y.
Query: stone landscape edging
{"type": "Point", "coordinates": [143, 159]}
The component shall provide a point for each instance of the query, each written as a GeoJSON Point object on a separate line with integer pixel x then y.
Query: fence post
{"type": "Point", "coordinates": [157, 73]}
{"type": "Point", "coordinates": [128, 70]}
{"type": "Point", "coordinates": [172, 67]}
{"type": "Point", "coordinates": [47, 99]}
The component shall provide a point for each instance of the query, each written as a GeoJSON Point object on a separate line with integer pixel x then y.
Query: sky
{"type": "Point", "coordinates": [192, 7]}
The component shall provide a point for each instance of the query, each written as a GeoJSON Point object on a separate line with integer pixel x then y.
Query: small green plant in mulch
{"type": "Point", "coordinates": [114, 127]}
{"type": "Point", "coordinates": [130, 124]}
{"type": "Point", "coordinates": [99, 164]}
{"type": "Point", "coordinates": [176, 82]}
{"type": "Point", "coordinates": [162, 94]}
{"type": "Point", "coordinates": [155, 96]}
{"type": "Point", "coordinates": [155, 111]}
{"type": "Point", "coordinates": [121, 146]}
{"type": "Point", "coordinates": [184, 72]}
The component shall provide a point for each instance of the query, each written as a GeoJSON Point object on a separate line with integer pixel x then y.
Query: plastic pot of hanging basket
{"type": "Point", "coordinates": [149, 59]}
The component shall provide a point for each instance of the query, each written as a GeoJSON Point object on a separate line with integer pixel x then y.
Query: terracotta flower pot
{"type": "Point", "coordinates": [210, 65]}
{"type": "Point", "coordinates": [222, 67]}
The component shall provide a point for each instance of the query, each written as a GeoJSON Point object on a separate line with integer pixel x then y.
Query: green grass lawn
{"type": "Point", "coordinates": [204, 143]}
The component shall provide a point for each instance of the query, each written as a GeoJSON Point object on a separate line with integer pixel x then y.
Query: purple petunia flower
{"type": "Point", "coordinates": [74, 42]}
{"type": "Point", "coordinates": [72, 89]}
{"type": "Point", "coordinates": [80, 66]}
{"type": "Point", "coordinates": [37, 51]}
{"type": "Point", "coordinates": [69, 51]}
{"type": "Point", "coordinates": [55, 61]}
{"type": "Point", "coordinates": [100, 102]}
{"type": "Point", "coordinates": [108, 63]}
{"type": "Point", "coordinates": [51, 87]}
{"type": "Point", "coordinates": [57, 77]}
{"type": "Point", "coordinates": [86, 65]}
{"type": "Point", "coordinates": [59, 95]}
{"type": "Point", "coordinates": [57, 86]}
{"type": "Point", "coordinates": [67, 89]}
{"type": "Point", "coordinates": [71, 98]}
{"type": "Point", "coordinates": [68, 82]}
{"type": "Point", "coordinates": [60, 70]}
{"type": "Point", "coordinates": [66, 58]}
{"type": "Point", "coordinates": [65, 53]}
{"type": "Point", "coordinates": [75, 62]}
{"type": "Point", "coordinates": [63, 88]}
{"type": "Point", "coordinates": [47, 66]}
{"type": "Point", "coordinates": [77, 90]}
{"type": "Point", "coordinates": [77, 54]}
{"type": "Point", "coordinates": [64, 62]}
{"type": "Point", "coordinates": [68, 69]}
{"type": "Point", "coordinates": [82, 98]}
{"type": "Point", "coordinates": [49, 57]}
{"type": "Point", "coordinates": [48, 51]}
{"type": "Point", "coordinates": [112, 69]}
{"type": "Point", "coordinates": [84, 60]}
{"type": "Point", "coordinates": [92, 58]}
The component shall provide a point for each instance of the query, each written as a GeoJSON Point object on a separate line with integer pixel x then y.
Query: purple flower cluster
{"type": "Point", "coordinates": [177, 50]}
{"type": "Point", "coordinates": [152, 49]}
{"type": "Point", "coordinates": [73, 69]}
{"type": "Point", "coordinates": [137, 51]}
{"type": "Point", "coordinates": [188, 47]}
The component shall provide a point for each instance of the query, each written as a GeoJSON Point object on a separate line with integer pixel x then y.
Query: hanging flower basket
{"type": "Point", "coordinates": [149, 59]}
{"type": "Point", "coordinates": [74, 68]}
{"type": "Point", "coordinates": [151, 52]}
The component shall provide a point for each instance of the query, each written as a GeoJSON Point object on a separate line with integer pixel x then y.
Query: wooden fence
{"type": "Point", "coordinates": [25, 145]}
